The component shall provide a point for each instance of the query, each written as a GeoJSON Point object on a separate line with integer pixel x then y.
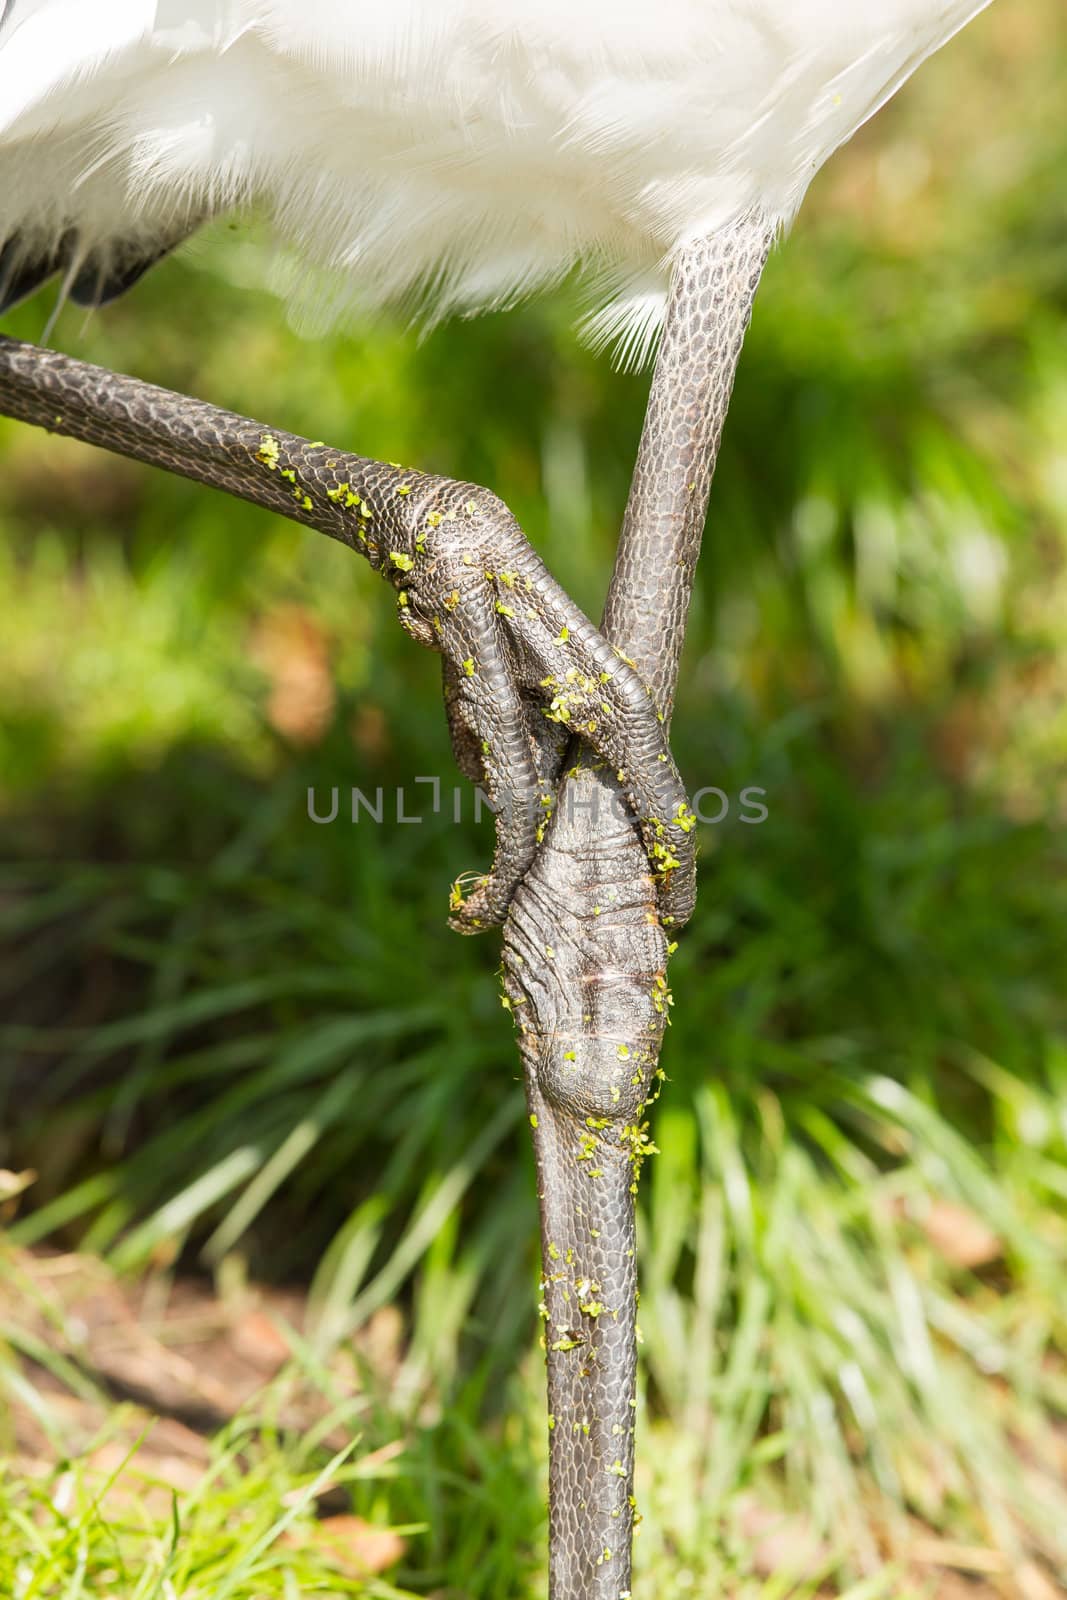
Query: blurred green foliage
{"type": "Point", "coordinates": [228, 1030]}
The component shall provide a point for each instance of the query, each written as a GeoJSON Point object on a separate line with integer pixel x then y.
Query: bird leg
{"type": "Point", "coordinates": [523, 666]}
{"type": "Point", "coordinates": [585, 950]}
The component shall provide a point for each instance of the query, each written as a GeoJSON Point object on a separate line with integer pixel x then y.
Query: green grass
{"type": "Point", "coordinates": [232, 1039]}
{"type": "Point", "coordinates": [247, 1528]}
{"type": "Point", "coordinates": [463, 1496]}
{"type": "Point", "coordinates": [224, 1538]}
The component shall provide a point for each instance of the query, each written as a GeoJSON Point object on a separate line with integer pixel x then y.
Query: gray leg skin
{"type": "Point", "coordinates": [585, 951]}
{"type": "Point", "coordinates": [523, 664]}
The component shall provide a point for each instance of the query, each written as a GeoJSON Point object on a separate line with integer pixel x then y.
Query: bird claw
{"type": "Point", "coordinates": [523, 670]}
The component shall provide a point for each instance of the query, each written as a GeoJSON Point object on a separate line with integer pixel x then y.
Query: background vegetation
{"type": "Point", "coordinates": [237, 1043]}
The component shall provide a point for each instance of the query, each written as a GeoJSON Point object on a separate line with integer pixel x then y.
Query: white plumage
{"type": "Point", "coordinates": [455, 153]}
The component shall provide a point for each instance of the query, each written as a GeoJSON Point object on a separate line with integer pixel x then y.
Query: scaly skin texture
{"type": "Point", "coordinates": [585, 947]}
{"type": "Point", "coordinates": [522, 665]}
{"type": "Point", "coordinates": [585, 951]}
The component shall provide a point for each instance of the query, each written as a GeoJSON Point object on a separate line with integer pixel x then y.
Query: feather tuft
{"type": "Point", "coordinates": [449, 156]}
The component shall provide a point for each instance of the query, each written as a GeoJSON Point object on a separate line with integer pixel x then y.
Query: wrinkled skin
{"type": "Point", "coordinates": [593, 872]}
{"type": "Point", "coordinates": [585, 951]}
{"type": "Point", "coordinates": [523, 666]}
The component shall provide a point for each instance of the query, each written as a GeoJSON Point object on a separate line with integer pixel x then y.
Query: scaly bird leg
{"type": "Point", "coordinates": [585, 952]}
{"type": "Point", "coordinates": [523, 666]}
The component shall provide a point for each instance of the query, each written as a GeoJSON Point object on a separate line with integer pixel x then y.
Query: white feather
{"type": "Point", "coordinates": [455, 153]}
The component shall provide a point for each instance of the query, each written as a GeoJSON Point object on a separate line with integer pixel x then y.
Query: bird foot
{"type": "Point", "coordinates": [524, 669]}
